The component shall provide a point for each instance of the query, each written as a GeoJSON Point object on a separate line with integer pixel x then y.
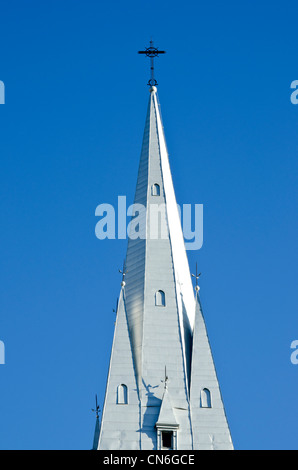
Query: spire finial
{"type": "Point", "coordinates": [97, 408]}
{"type": "Point", "coordinates": [196, 276]}
{"type": "Point", "coordinates": [152, 52]}
{"type": "Point", "coordinates": [123, 272]}
{"type": "Point", "coordinates": [165, 381]}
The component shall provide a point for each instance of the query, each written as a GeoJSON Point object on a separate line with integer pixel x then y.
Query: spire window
{"type": "Point", "coordinates": [160, 298]}
{"type": "Point", "coordinates": [122, 395]}
{"type": "Point", "coordinates": [167, 437]}
{"type": "Point", "coordinates": [167, 440]}
{"type": "Point", "coordinates": [155, 190]}
{"type": "Point", "coordinates": [206, 398]}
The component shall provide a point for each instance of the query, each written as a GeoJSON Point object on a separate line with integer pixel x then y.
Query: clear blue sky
{"type": "Point", "coordinates": [71, 133]}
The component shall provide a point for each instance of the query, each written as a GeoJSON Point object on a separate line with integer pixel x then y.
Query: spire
{"type": "Point", "coordinates": [210, 426]}
{"type": "Point", "coordinates": [156, 305]}
{"type": "Point", "coordinates": [157, 261]}
{"type": "Point", "coordinates": [155, 321]}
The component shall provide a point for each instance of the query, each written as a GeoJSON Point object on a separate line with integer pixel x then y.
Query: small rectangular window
{"type": "Point", "coordinates": [167, 440]}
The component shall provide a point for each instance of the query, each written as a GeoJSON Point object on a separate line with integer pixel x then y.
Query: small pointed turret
{"type": "Point", "coordinates": [120, 417]}
{"type": "Point", "coordinates": [210, 426]}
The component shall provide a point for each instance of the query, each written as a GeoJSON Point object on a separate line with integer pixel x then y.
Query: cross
{"type": "Point", "coordinates": [97, 409]}
{"type": "Point", "coordinates": [152, 52]}
{"type": "Point", "coordinates": [196, 276]}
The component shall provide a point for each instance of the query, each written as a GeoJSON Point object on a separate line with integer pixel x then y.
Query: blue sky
{"type": "Point", "coordinates": [70, 139]}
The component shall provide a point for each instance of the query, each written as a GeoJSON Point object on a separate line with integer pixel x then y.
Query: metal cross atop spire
{"type": "Point", "coordinates": [152, 52]}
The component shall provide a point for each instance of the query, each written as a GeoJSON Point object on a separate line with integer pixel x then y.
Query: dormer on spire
{"type": "Point", "coordinates": [166, 425]}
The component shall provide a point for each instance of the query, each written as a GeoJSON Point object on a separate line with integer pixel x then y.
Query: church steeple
{"type": "Point", "coordinates": [155, 316]}
{"type": "Point", "coordinates": [157, 262]}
